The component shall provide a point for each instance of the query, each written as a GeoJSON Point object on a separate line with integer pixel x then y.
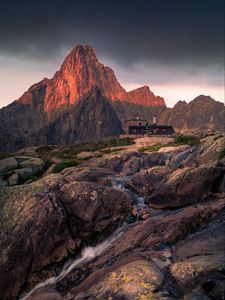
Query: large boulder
{"type": "Point", "coordinates": [35, 236]}
{"type": "Point", "coordinates": [147, 180]}
{"type": "Point", "coordinates": [7, 164]}
{"type": "Point", "coordinates": [187, 186]}
{"type": "Point", "coordinates": [138, 279]}
{"type": "Point", "coordinates": [199, 262]}
{"type": "Point", "coordinates": [92, 208]}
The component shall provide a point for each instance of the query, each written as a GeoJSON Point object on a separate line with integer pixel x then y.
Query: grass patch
{"type": "Point", "coordinates": [185, 140]}
{"type": "Point", "coordinates": [222, 154]}
{"type": "Point", "coordinates": [65, 164]}
{"type": "Point", "coordinates": [152, 148]}
{"type": "Point", "coordinates": [70, 151]}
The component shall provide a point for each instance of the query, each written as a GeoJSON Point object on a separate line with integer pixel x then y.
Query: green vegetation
{"type": "Point", "coordinates": [152, 148]}
{"type": "Point", "coordinates": [178, 141]}
{"type": "Point", "coordinates": [185, 140]}
{"type": "Point", "coordinates": [70, 151]}
{"type": "Point", "coordinates": [222, 154]}
{"type": "Point", "coordinates": [65, 164]}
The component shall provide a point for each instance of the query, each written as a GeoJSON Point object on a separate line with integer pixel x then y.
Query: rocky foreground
{"type": "Point", "coordinates": [127, 225]}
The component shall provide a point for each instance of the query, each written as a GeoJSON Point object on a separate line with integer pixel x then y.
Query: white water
{"type": "Point", "coordinates": [87, 255]}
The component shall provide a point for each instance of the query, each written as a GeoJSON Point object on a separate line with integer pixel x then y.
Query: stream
{"type": "Point", "coordinates": [140, 211]}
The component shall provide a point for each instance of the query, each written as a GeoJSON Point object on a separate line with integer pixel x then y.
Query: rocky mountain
{"type": "Point", "coordinates": [199, 115]}
{"type": "Point", "coordinates": [84, 101]}
{"type": "Point", "coordinates": [68, 108]}
{"type": "Point", "coordinates": [143, 96]}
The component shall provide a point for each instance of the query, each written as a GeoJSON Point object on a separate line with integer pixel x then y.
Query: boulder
{"type": "Point", "coordinates": [37, 237]}
{"type": "Point", "coordinates": [147, 180]}
{"type": "Point", "coordinates": [93, 208]}
{"type": "Point", "coordinates": [36, 164]}
{"type": "Point", "coordinates": [24, 174]}
{"type": "Point", "coordinates": [7, 164]}
{"type": "Point", "coordinates": [182, 158]}
{"type": "Point", "coordinates": [199, 262]}
{"type": "Point", "coordinates": [187, 186]}
{"type": "Point", "coordinates": [139, 279]}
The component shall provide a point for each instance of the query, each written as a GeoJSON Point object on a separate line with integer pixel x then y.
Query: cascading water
{"type": "Point", "coordinates": [140, 210]}
{"type": "Point", "coordinates": [87, 255]}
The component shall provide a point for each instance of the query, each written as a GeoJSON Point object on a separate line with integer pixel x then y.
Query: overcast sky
{"type": "Point", "coordinates": [174, 46]}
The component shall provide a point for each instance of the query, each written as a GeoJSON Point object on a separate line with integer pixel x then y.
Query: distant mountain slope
{"type": "Point", "coordinates": [198, 115]}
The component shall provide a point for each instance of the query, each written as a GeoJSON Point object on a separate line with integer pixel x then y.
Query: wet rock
{"type": "Point", "coordinates": [7, 164]}
{"type": "Point", "coordinates": [187, 186]}
{"type": "Point", "coordinates": [92, 208]}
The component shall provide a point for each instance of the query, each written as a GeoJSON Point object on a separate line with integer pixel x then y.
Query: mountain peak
{"type": "Point", "coordinates": [144, 96]}
{"type": "Point", "coordinates": [79, 73]}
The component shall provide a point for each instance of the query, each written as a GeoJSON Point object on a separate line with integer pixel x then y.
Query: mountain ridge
{"type": "Point", "coordinates": [59, 110]}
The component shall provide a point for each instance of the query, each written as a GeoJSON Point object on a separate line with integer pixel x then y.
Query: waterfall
{"type": "Point", "coordinates": [88, 254]}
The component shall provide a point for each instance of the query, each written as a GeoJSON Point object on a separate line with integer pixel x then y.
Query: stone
{"type": "Point", "coordinates": [198, 258]}
{"type": "Point", "coordinates": [187, 186]}
{"type": "Point", "coordinates": [92, 208]}
{"type": "Point", "coordinates": [7, 164]}
{"type": "Point", "coordinates": [24, 174]}
{"type": "Point", "coordinates": [147, 180]}
{"type": "Point", "coordinates": [131, 280]}
{"type": "Point", "coordinates": [36, 164]}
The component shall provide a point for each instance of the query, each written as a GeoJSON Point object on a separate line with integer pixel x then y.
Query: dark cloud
{"type": "Point", "coordinates": [159, 31]}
